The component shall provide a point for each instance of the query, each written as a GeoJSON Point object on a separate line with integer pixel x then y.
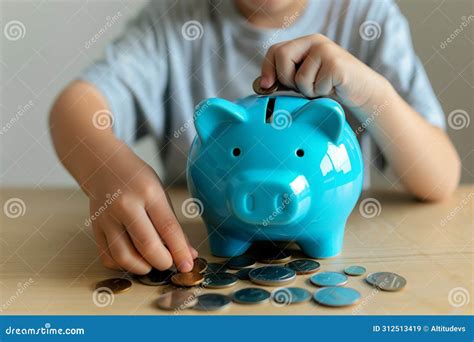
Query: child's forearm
{"type": "Point", "coordinates": [420, 154]}
{"type": "Point", "coordinates": [82, 138]}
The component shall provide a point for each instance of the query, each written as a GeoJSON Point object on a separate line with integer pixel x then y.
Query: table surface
{"type": "Point", "coordinates": [49, 263]}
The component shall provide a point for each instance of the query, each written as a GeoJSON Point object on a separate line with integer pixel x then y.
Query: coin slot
{"type": "Point", "coordinates": [270, 109]}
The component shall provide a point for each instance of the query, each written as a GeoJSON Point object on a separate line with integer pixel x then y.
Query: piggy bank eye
{"type": "Point", "coordinates": [236, 152]}
{"type": "Point", "coordinates": [300, 152]}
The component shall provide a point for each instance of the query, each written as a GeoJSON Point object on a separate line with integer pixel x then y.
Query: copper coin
{"type": "Point", "coordinates": [187, 279]}
{"type": "Point", "coordinates": [200, 265]}
{"type": "Point", "coordinates": [261, 91]}
{"type": "Point", "coordinates": [116, 285]}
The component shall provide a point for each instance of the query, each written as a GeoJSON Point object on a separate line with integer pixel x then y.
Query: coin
{"type": "Point", "coordinates": [386, 281]}
{"type": "Point", "coordinates": [355, 270]}
{"type": "Point", "coordinates": [274, 256]}
{"type": "Point", "coordinates": [243, 274]}
{"type": "Point", "coordinates": [336, 296]}
{"type": "Point", "coordinates": [215, 267]}
{"type": "Point", "coordinates": [187, 279]}
{"type": "Point", "coordinates": [116, 285]}
{"type": "Point", "coordinates": [177, 299]}
{"type": "Point", "coordinates": [272, 275]}
{"type": "Point", "coordinates": [328, 279]}
{"type": "Point", "coordinates": [304, 266]}
{"type": "Point", "coordinates": [156, 277]}
{"type": "Point", "coordinates": [220, 280]}
{"type": "Point", "coordinates": [200, 265]}
{"type": "Point", "coordinates": [251, 295]}
{"type": "Point", "coordinates": [212, 302]}
{"type": "Point", "coordinates": [240, 262]}
{"type": "Point", "coordinates": [290, 295]}
{"type": "Point", "coordinates": [277, 86]}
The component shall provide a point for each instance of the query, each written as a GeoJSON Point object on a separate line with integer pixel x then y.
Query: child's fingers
{"type": "Point", "coordinates": [324, 84]}
{"type": "Point", "coordinates": [306, 74]}
{"type": "Point", "coordinates": [146, 239]}
{"type": "Point", "coordinates": [104, 253]}
{"type": "Point", "coordinates": [194, 252]}
{"type": "Point", "coordinates": [268, 69]}
{"type": "Point", "coordinates": [122, 249]}
{"type": "Point", "coordinates": [167, 225]}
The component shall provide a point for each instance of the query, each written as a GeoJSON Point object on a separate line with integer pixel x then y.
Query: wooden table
{"type": "Point", "coordinates": [49, 262]}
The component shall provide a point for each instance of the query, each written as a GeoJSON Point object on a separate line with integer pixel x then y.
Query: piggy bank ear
{"type": "Point", "coordinates": [324, 113]}
{"type": "Point", "coordinates": [212, 113]}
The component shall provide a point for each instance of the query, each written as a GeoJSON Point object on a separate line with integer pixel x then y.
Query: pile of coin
{"type": "Point", "coordinates": [278, 270]}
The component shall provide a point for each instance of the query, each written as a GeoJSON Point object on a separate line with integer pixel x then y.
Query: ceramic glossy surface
{"type": "Point", "coordinates": [274, 168]}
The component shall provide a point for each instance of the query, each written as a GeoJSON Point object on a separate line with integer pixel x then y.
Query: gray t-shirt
{"type": "Point", "coordinates": [174, 54]}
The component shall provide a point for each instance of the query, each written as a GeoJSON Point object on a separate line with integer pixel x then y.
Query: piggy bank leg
{"type": "Point", "coordinates": [223, 245]}
{"type": "Point", "coordinates": [326, 246]}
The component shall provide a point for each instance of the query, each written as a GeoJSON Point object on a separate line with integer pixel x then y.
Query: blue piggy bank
{"type": "Point", "coordinates": [277, 168]}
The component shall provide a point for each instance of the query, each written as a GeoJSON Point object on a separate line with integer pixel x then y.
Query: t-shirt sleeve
{"type": "Point", "coordinates": [132, 77]}
{"type": "Point", "coordinates": [393, 56]}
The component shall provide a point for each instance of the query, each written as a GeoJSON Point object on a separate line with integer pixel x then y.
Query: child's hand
{"type": "Point", "coordinates": [316, 66]}
{"type": "Point", "coordinates": [138, 229]}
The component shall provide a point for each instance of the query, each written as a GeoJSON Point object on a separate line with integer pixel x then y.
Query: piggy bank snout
{"type": "Point", "coordinates": [257, 198]}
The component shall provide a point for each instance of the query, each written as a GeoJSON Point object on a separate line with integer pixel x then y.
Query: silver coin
{"type": "Point", "coordinates": [328, 279]}
{"type": "Point", "coordinates": [156, 277]}
{"type": "Point", "coordinates": [240, 262]}
{"type": "Point", "coordinates": [212, 302]}
{"type": "Point", "coordinates": [290, 295]}
{"type": "Point", "coordinates": [220, 280]}
{"type": "Point", "coordinates": [304, 266]}
{"type": "Point", "coordinates": [274, 255]}
{"type": "Point", "coordinates": [386, 281]}
{"type": "Point", "coordinates": [272, 275]}
{"type": "Point", "coordinates": [215, 267]}
{"type": "Point", "coordinates": [177, 299]}
{"type": "Point", "coordinates": [337, 296]}
{"type": "Point", "coordinates": [243, 274]}
{"type": "Point", "coordinates": [251, 295]}
{"type": "Point", "coordinates": [355, 270]}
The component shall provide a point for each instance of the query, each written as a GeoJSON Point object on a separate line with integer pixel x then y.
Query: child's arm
{"type": "Point", "coordinates": [138, 229]}
{"type": "Point", "coordinates": [421, 154]}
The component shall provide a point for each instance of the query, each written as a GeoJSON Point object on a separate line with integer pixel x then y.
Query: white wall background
{"type": "Point", "coordinates": [37, 66]}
